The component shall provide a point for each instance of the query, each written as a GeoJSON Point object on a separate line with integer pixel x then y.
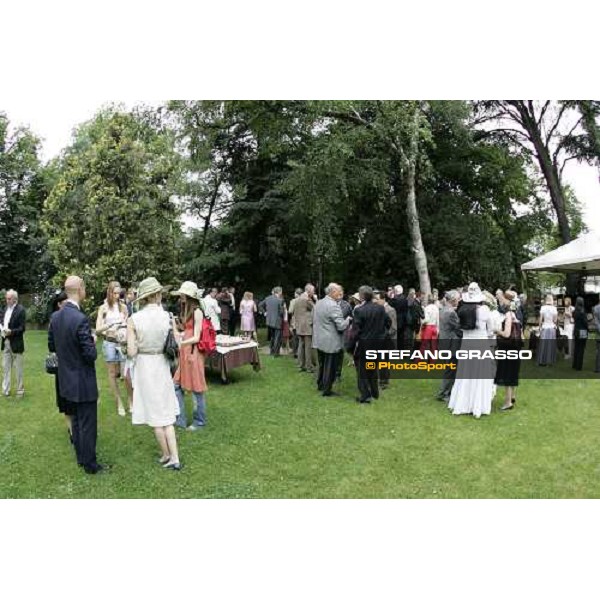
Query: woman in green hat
{"type": "Point", "coordinates": [190, 372]}
{"type": "Point", "coordinates": [154, 399]}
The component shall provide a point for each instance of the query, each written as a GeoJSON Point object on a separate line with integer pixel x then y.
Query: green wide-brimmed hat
{"type": "Point", "coordinates": [190, 289]}
{"type": "Point", "coordinates": [148, 287]}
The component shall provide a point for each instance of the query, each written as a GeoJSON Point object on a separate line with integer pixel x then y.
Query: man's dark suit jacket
{"type": "Point", "coordinates": [400, 305]}
{"type": "Point", "coordinates": [17, 328]}
{"type": "Point", "coordinates": [71, 338]}
{"type": "Point", "coordinates": [371, 321]}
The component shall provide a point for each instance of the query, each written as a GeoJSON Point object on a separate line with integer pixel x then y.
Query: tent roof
{"type": "Point", "coordinates": [580, 255]}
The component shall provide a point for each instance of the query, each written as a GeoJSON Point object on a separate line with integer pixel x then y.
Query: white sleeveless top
{"type": "Point", "coordinates": [152, 325]}
{"type": "Point", "coordinates": [113, 315]}
{"type": "Point", "coordinates": [548, 313]}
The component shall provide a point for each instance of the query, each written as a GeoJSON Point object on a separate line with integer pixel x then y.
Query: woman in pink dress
{"type": "Point", "coordinates": [247, 310]}
{"type": "Point", "coordinates": [190, 372]}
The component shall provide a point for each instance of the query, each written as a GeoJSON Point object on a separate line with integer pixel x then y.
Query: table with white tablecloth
{"type": "Point", "coordinates": [225, 358]}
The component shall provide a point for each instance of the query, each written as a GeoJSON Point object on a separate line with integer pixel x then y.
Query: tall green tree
{"type": "Point", "coordinates": [543, 129]}
{"type": "Point", "coordinates": [24, 185]}
{"type": "Point", "coordinates": [402, 127]}
{"type": "Point", "coordinates": [112, 212]}
{"type": "Point", "coordinates": [237, 154]}
{"type": "Point", "coordinates": [585, 144]}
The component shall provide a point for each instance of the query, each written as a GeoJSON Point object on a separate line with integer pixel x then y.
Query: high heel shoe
{"type": "Point", "coordinates": [163, 460]}
{"type": "Point", "coordinates": [507, 407]}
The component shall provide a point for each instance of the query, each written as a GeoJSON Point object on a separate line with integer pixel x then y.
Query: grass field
{"type": "Point", "coordinates": [270, 435]}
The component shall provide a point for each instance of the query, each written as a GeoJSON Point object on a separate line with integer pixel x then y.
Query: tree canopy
{"type": "Point", "coordinates": [260, 193]}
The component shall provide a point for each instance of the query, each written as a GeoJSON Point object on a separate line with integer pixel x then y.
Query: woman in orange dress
{"type": "Point", "coordinates": [190, 372]}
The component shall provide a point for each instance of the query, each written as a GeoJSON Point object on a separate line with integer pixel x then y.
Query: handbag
{"type": "Point", "coordinates": [52, 364]}
{"type": "Point", "coordinates": [350, 338]}
{"type": "Point", "coordinates": [171, 348]}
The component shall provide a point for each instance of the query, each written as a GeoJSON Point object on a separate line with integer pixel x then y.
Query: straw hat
{"type": "Point", "coordinates": [473, 294]}
{"type": "Point", "coordinates": [148, 287]}
{"type": "Point", "coordinates": [190, 289]}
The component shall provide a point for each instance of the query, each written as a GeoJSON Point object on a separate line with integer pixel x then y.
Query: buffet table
{"type": "Point", "coordinates": [227, 357]}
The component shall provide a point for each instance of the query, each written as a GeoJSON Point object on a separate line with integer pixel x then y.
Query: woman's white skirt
{"type": "Point", "coordinates": [154, 399]}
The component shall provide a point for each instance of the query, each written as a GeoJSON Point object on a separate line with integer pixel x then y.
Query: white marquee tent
{"type": "Point", "coordinates": [582, 255]}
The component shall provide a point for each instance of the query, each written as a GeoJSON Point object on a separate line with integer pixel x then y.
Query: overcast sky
{"type": "Point", "coordinates": [54, 118]}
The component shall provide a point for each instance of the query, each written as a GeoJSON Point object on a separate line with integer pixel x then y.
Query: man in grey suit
{"type": "Point", "coordinates": [596, 313]}
{"type": "Point", "coordinates": [328, 326]}
{"type": "Point", "coordinates": [303, 313]}
{"type": "Point", "coordinates": [273, 306]}
{"type": "Point", "coordinates": [449, 339]}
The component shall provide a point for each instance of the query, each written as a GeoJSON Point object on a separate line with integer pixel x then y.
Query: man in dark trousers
{"type": "Point", "coordinates": [273, 307]}
{"type": "Point", "coordinates": [232, 312]}
{"type": "Point", "coordinates": [596, 315]}
{"type": "Point", "coordinates": [371, 323]}
{"type": "Point", "coordinates": [398, 301]}
{"type": "Point", "coordinates": [328, 327]}
{"type": "Point", "coordinates": [450, 338]}
{"type": "Point", "coordinates": [12, 326]}
{"type": "Point", "coordinates": [390, 336]}
{"type": "Point", "coordinates": [71, 338]}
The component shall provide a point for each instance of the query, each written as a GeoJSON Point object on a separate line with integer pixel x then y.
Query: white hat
{"type": "Point", "coordinates": [474, 294]}
{"type": "Point", "coordinates": [188, 288]}
{"type": "Point", "coordinates": [398, 289]}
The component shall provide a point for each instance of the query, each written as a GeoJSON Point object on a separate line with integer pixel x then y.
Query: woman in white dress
{"type": "Point", "coordinates": [154, 399]}
{"type": "Point", "coordinates": [547, 344]}
{"type": "Point", "coordinates": [569, 326]}
{"type": "Point", "coordinates": [474, 387]}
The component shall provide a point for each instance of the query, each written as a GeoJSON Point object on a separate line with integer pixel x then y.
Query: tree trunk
{"type": "Point", "coordinates": [211, 208]}
{"type": "Point", "coordinates": [550, 172]}
{"type": "Point", "coordinates": [410, 168]}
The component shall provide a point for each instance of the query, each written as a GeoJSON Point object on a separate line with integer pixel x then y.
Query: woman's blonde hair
{"type": "Point", "coordinates": [549, 299]}
{"type": "Point", "coordinates": [248, 295]}
{"type": "Point", "coordinates": [153, 299]}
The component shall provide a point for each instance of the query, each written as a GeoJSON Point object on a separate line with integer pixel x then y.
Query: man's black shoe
{"type": "Point", "coordinates": [96, 469]}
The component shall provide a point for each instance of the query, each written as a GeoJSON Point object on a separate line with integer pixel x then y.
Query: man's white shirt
{"type": "Point", "coordinates": [213, 310]}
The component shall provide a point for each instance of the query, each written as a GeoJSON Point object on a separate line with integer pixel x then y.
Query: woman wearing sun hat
{"type": "Point", "coordinates": [474, 387]}
{"type": "Point", "coordinates": [154, 399]}
{"type": "Point", "coordinates": [190, 372]}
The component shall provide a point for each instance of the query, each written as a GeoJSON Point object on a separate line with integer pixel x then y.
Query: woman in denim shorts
{"type": "Point", "coordinates": [112, 317]}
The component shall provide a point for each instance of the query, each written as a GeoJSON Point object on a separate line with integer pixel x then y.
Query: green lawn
{"type": "Point", "coordinates": [270, 435]}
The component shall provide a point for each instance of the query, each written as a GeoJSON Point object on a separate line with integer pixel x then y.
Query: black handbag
{"type": "Point", "coordinates": [52, 364]}
{"type": "Point", "coordinates": [171, 348]}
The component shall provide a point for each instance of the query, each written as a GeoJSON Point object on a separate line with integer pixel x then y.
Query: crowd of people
{"type": "Point", "coordinates": [136, 328]}
{"type": "Point", "coordinates": [323, 329]}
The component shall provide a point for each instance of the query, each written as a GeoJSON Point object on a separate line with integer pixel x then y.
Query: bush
{"type": "Point", "coordinates": [40, 308]}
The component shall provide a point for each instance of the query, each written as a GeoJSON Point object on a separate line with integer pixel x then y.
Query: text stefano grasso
{"type": "Point", "coordinates": [413, 355]}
